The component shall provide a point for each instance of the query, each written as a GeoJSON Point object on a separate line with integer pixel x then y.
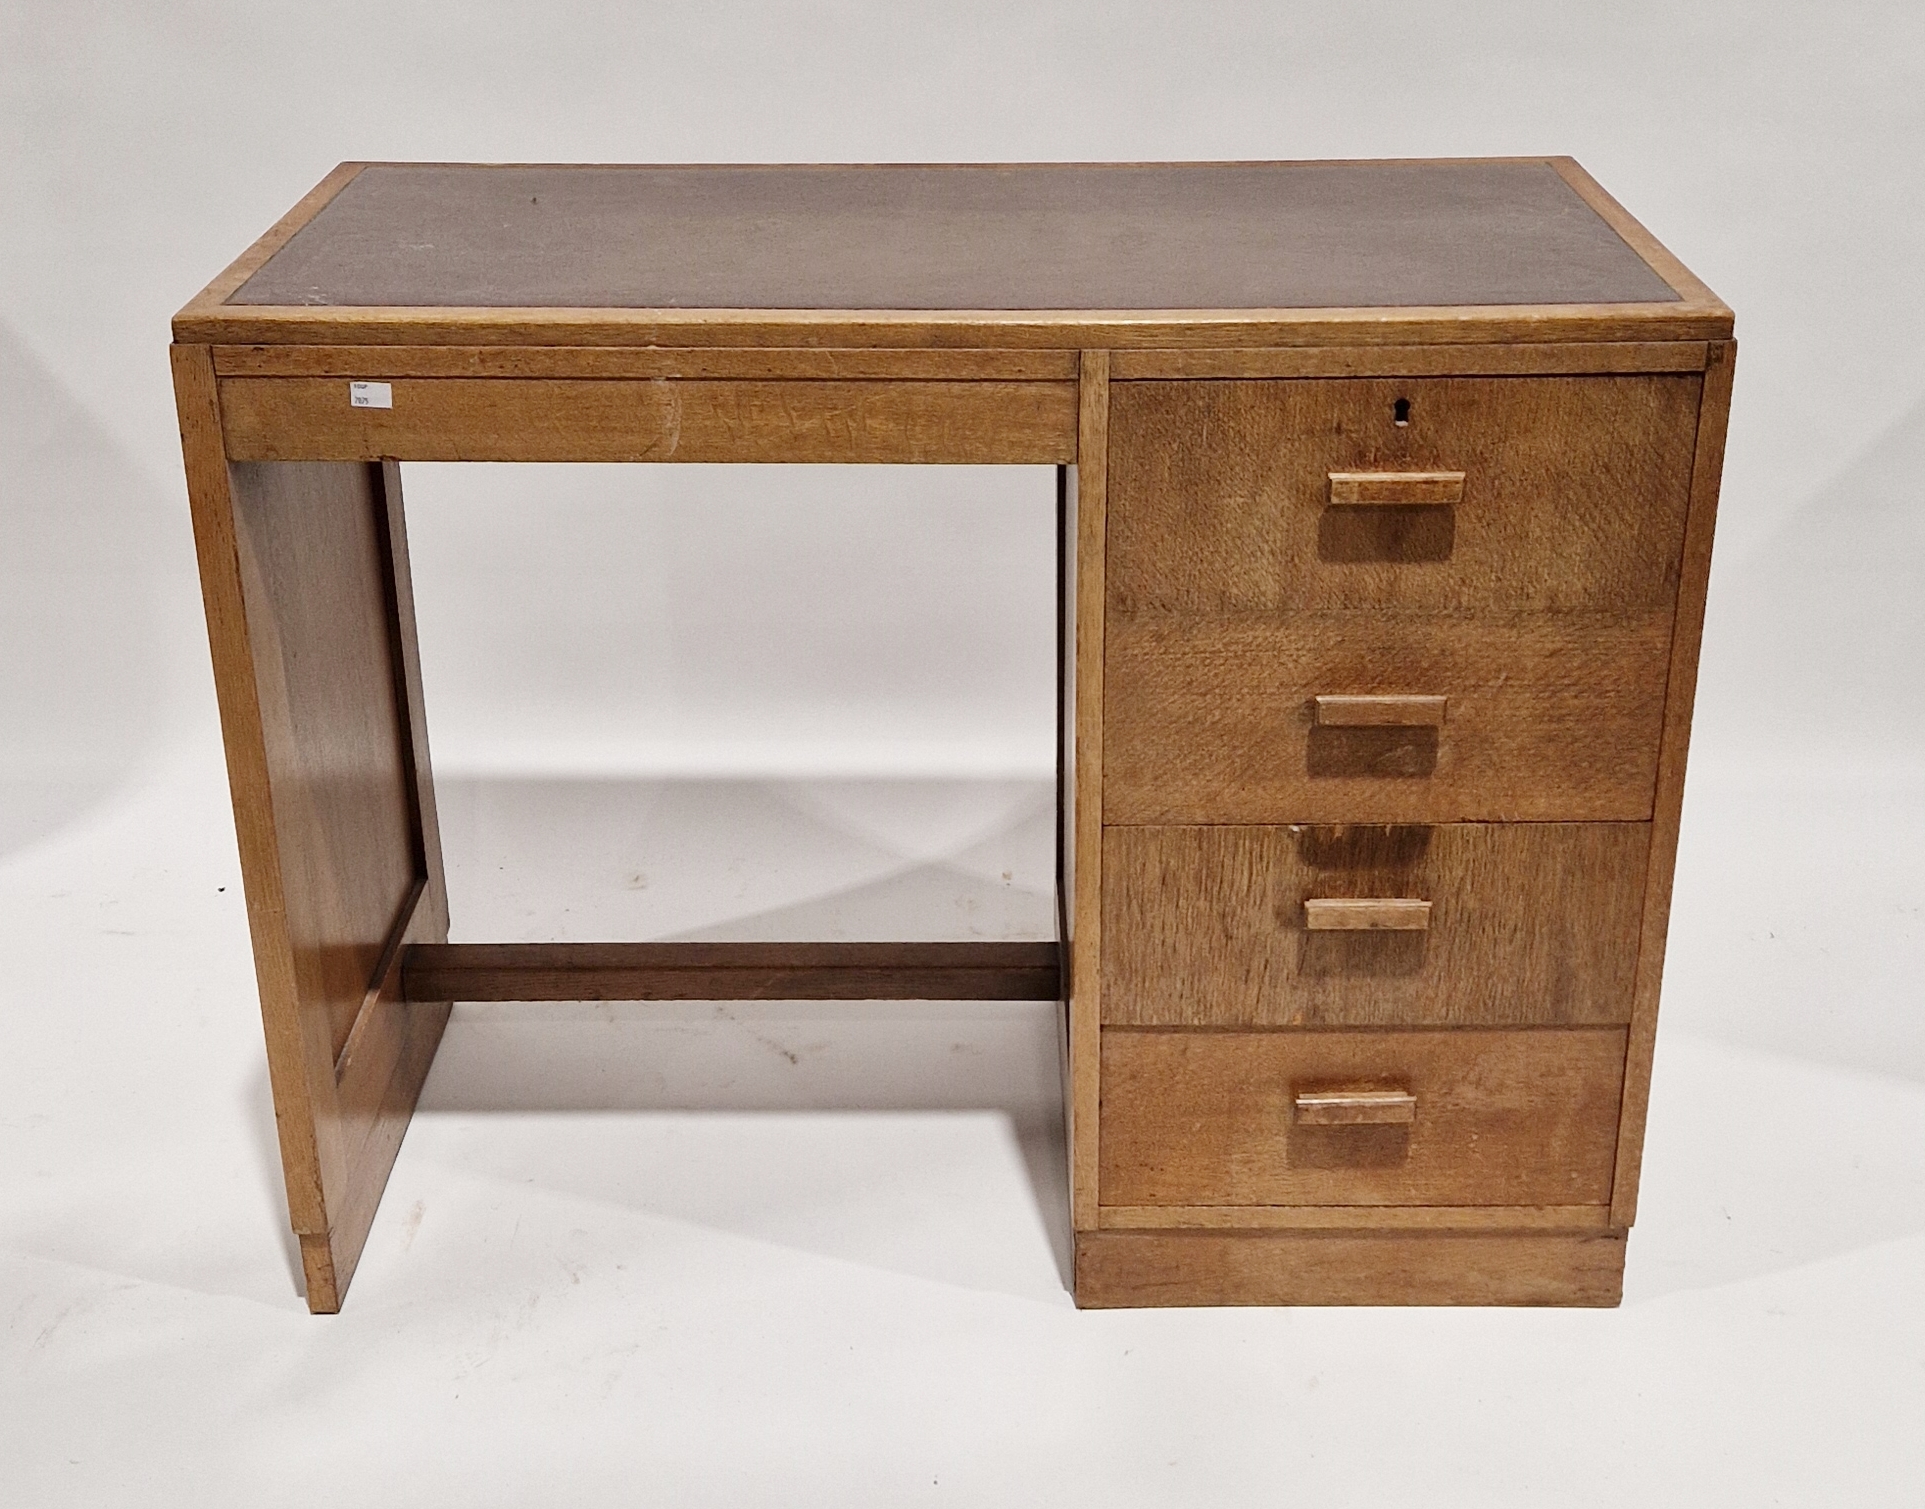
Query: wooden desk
{"type": "Point", "coordinates": [1387, 494]}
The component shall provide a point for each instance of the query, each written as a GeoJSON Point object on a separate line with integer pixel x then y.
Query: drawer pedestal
{"type": "Point", "coordinates": [1395, 684]}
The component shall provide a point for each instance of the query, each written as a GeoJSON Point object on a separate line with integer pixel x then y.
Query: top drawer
{"type": "Point", "coordinates": [1573, 493]}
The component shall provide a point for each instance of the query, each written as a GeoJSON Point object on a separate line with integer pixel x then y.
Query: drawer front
{"type": "Point", "coordinates": [1546, 717]}
{"type": "Point", "coordinates": [1359, 1118]}
{"type": "Point", "coordinates": [1573, 494]}
{"type": "Point", "coordinates": [1475, 924]}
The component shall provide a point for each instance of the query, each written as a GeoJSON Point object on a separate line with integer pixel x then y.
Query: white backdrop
{"type": "Point", "coordinates": [826, 633]}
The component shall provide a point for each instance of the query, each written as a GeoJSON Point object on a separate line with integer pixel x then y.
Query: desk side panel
{"type": "Point", "coordinates": [1668, 807]}
{"type": "Point", "coordinates": [1086, 523]}
{"type": "Point", "coordinates": [304, 568]}
{"type": "Point", "coordinates": [322, 549]}
{"type": "Point", "coordinates": [300, 1062]}
{"type": "Point", "coordinates": [313, 542]}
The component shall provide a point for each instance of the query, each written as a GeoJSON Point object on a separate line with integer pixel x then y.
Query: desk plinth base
{"type": "Point", "coordinates": [1122, 1269]}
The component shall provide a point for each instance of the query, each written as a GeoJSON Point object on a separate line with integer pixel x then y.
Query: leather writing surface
{"type": "Point", "coordinates": [1069, 236]}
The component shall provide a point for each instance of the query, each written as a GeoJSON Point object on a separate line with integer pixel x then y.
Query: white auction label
{"type": "Point", "coordinates": [370, 395]}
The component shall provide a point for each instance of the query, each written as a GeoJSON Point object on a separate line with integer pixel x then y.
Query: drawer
{"type": "Point", "coordinates": [1573, 494]}
{"type": "Point", "coordinates": [1545, 717]}
{"type": "Point", "coordinates": [1359, 1118]}
{"type": "Point", "coordinates": [1473, 924]}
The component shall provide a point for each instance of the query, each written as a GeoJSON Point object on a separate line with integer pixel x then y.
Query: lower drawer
{"type": "Point", "coordinates": [1501, 925]}
{"type": "Point", "coordinates": [1359, 1118]}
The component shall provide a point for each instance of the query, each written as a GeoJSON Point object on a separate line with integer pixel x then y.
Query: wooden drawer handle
{"type": "Point", "coordinates": [1366, 915]}
{"type": "Point", "coordinates": [1365, 712]}
{"type": "Point", "coordinates": [1351, 1108]}
{"type": "Point", "coordinates": [1396, 487]}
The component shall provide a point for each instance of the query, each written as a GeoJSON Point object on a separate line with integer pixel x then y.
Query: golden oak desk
{"type": "Point", "coordinates": [1387, 498]}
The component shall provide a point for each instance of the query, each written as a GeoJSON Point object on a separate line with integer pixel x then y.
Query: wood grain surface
{"type": "Point", "coordinates": [391, 1045]}
{"type": "Point", "coordinates": [1441, 358]}
{"type": "Point", "coordinates": [1502, 1118]}
{"type": "Point", "coordinates": [1553, 717]}
{"type": "Point", "coordinates": [1407, 1218]}
{"type": "Point", "coordinates": [1680, 689]}
{"type": "Point", "coordinates": [1574, 494]}
{"type": "Point", "coordinates": [798, 364]}
{"type": "Point", "coordinates": [386, 1016]}
{"type": "Point", "coordinates": [322, 582]}
{"type": "Point", "coordinates": [541, 419]}
{"type": "Point", "coordinates": [1128, 1268]}
{"type": "Point", "coordinates": [965, 971]}
{"type": "Point", "coordinates": [304, 570]}
{"type": "Point", "coordinates": [300, 1058]}
{"type": "Point", "coordinates": [1500, 325]}
{"type": "Point", "coordinates": [1529, 924]}
{"type": "Point", "coordinates": [1088, 516]}
{"type": "Point", "coordinates": [1343, 1108]}
{"type": "Point", "coordinates": [949, 363]}
{"type": "Point", "coordinates": [1366, 914]}
{"type": "Point", "coordinates": [1379, 711]}
{"type": "Point", "coordinates": [1064, 836]}
{"type": "Point", "coordinates": [314, 547]}
{"type": "Point", "coordinates": [1394, 487]}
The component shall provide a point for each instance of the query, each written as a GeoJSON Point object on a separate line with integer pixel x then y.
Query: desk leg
{"type": "Point", "coordinates": [1085, 514]}
{"type": "Point", "coordinates": [304, 571]}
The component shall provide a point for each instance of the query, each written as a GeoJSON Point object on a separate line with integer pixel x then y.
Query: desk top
{"type": "Point", "coordinates": [1058, 254]}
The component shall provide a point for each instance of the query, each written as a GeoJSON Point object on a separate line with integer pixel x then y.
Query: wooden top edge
{"type": "Point", "coordinates": [208, 319]}
{"type": "Point", "coordinates": [982, 329]}
{"type": "Point", "coordinates": [1653, 252]}
{"type": "Point", "coordinates": [215, 295]}
{"type": "Point", "coordinates": [1065, 162]}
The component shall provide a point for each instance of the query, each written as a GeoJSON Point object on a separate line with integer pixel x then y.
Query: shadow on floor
{"type": "Point", "coordinates": [769, 859]}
